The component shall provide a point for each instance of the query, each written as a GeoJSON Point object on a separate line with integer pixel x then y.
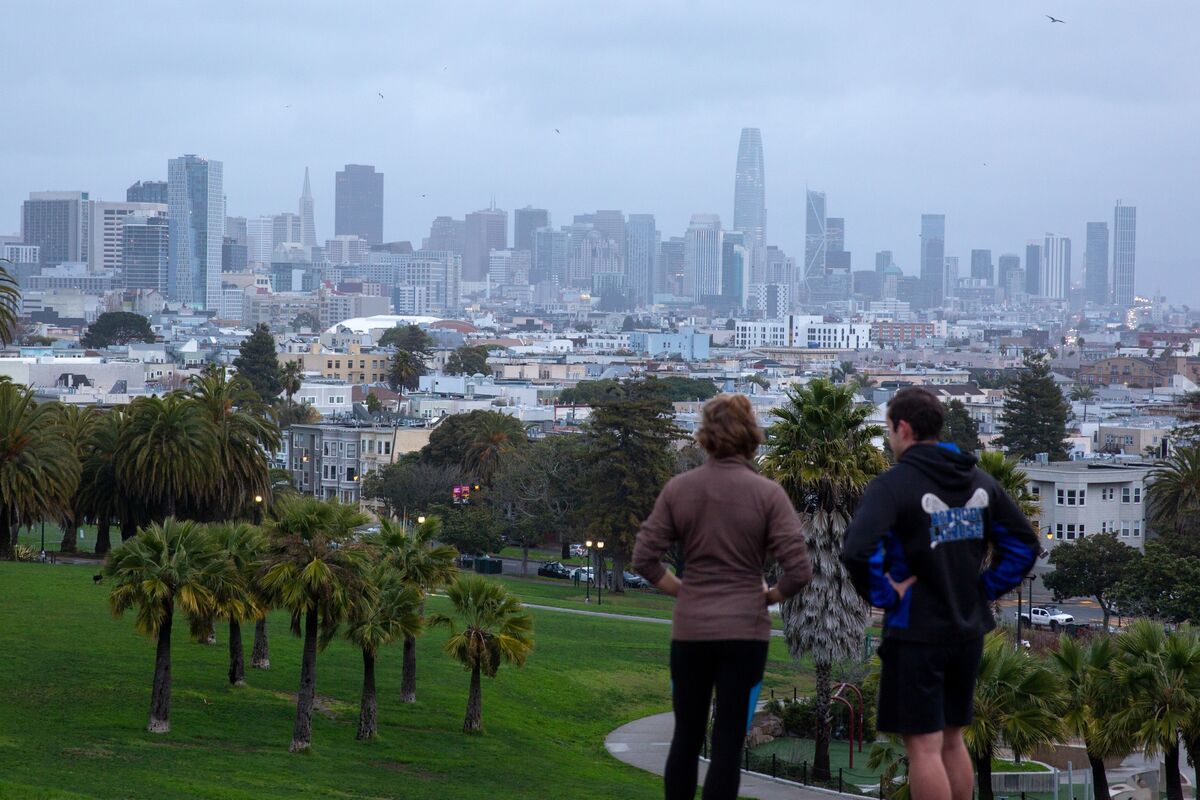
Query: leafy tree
{"type": "Point", "coordinates": [586, 393]}
{"type": "Point", "coordinates": [38, 466]}
{"type": "Point", "coordinates": [819, 449]}
{"type": "Point", "coordinates": [411, 338]}
{"type": "Point", "coordinates": [474, 529]}
{"type": "Point", "coordinates": [296, 414]}
{"type": "Point", "coordinates": [117, 327]}
{"type": "Point", "coordinates": [1091, 567]}
{"type": "Point", "coordinates": [168, 456]}
{"type": "Point", "coordinates": [10, 305]}
{"type": "Point", "coordinates": [259, 364]}
{"type": "Point", "coordinates": [496, 629]}
{"type": "Point", "coordinates": [373, 404]}
{"type": "Point", "coordinates": [410, 488]}
{"type": "Point", "coordinates": [1035, 413]}
{"type": "Point", "coordinates": [316, 572]}
{"type": "Point", "coordinates": [405, 371]}
{"type": "Point", "coordinates": [1164, 584]}
{"type": "Point", "coordinates": [164, 567]}
{"type": "Point", "coordinates": [1012, 479]}
{"type": "Point", "coordinates": [306, 319]}
{"type": "Point", "coordinates": [1082, 393]}
{"type": "Point", "coordinates": [628, 324]}
{"type": "Point", "coordinates": [960, 429]}
{"type": "Point", "coordinates": [673, 389]}
{"type": "Point", "coordinates": [1017, 702]}
{"type": "Point", "coordinates": [468, 361]}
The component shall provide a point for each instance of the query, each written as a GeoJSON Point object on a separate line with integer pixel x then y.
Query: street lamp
{"type": "Point", "coordinates": [588, 590]}
{"type": "Point", "coordinates": [600, 574]}
{"type": "Point", "coordinates": [420, 520]}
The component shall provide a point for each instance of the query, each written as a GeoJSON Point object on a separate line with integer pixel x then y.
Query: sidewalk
{"type": "Point", "coordinates": [643, 743]}
{"type": "Point", "coordinates": [606, 614]}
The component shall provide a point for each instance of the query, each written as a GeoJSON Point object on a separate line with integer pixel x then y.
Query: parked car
{"type": "Point", "coordinates": [582, 574]}
{"type": "Point", "coordinates": [632, 581]}
{"type": "Point", "coordinates": [577, 551]}
{"type": "Point", "coordinates": [553, 569]}
{"type": "Point", "coordinates": [1046, 617]}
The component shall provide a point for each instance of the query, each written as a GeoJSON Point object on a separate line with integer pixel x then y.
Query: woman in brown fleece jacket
{"type": "Point", "coordinates": [727, 518]}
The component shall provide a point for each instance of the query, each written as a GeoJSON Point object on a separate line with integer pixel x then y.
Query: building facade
{"type": "Point", "coordinates": [196, 209]}
{"type": "Point", "coordinates": [358, 203]}
{"type": "Point", "coordinates": [1095, 265]}
{"type": "Point", "coordinates": [1080, 499]}
{"type": "Point", "coordinates": [750, 190]}
{"type": "Point", "coordinates": [1124, 254]}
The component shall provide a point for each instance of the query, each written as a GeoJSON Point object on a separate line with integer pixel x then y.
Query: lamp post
{"type": "Point", "coordinates": [600, 574]}
{"type": "Point", "coordinates": [587, 592]}
{"type": "Point", "coordinates": [258, 501]}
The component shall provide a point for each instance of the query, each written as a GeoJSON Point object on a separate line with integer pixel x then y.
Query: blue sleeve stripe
{"type": "Point", "coordinates": [882, 593]}
{"type": "Point", "coordinates": [754, 693]}
{"type": "Point", "coordinates": [1016, 558]}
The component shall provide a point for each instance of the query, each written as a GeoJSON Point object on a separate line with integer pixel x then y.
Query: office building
{"type": "Point", "coordinates": [641, 257]}
{"type": "Point", "coordinates": [702, 255]}
{"type": "Point", "coordinates": [146, 251]}
{"type": "Point", "coordinates": [446, 234]}
{"type": "Point", "coordinates": [735, 271]}
{"type": "Point", "coordinates": [1095, 265]}
{"type": "Point", "coordinates": [285, 230]}
{"type": "Point", "coordinates": [308, 224]}
{"type": "Point", "coordinates": [950, 275]}
{"type": "Point", "coordinates": [235, 228]}
{"type": "Point", "coordinates": [1033, 270]}
{"type": "Point", "coordinates": [610, 223]}
{"type": "Point", "coordinates": [883, 260]}
{"type": "Point", "coordinates": [1056, 267]}
{"type": "Point", "coordinates": [147, 192]}
{"type": "Point", "coordinates": [981, 266]}
{"type": "Point", "coordinates": [551, 252]}
{"type": "Point", "coordinates": [233, 256]}
{"type": "Point", "coordinates": [483, 231]}
{"type": "Point", "coordinates": [933, 259]}
{"type": "Point", "coordinates": [835, 236]}
{"type": "Point", "coordinates": [525, 221]}
{"type": "Point", "coordinates": [1124, 254]}
{"type": "Point", "coordinates": [749, 190]}
{"type": "Point", "coordinates": [59, 224]}
{"type": "Point", "coordinates": [672, 274]}
{"type": "Point", "coordinates": [815, 240]}
{"type": "Point", "coordinates": [260, 240]}
{"type": "Point", "coordinates": [358, 203]}
{"type": "Point", "coordinates": [105, 251]}
{"type": "Point", "coordinates": [1007, 266]}
{"type": "Point", "coordinates": [347, 250]}
{"type": "Point", "coordinates": [593, 255]}
{"type": "Point", "coordinates": [196, 204]}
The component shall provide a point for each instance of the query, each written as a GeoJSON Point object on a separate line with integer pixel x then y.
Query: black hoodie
{"type": "Point", "coordinates": [934, 515]}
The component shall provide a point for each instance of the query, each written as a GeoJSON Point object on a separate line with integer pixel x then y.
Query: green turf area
{"type": "Point", "coordinates": [537, 557]}
{"type": "Point", "coordinates": [72, 722]}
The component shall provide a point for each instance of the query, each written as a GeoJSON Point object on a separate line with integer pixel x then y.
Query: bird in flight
{"type": "Point", "coordinates": [289, 105]}
{"type": "Point", "coordinates": [1055, 19]}
{"type": "Point", "coordinates": [556, 130]}
{"type": "Point", "coordinates": [380, 95]}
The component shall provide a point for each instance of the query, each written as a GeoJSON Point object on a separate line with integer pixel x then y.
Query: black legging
{"type": "Point", "coordinates": [735, 669]}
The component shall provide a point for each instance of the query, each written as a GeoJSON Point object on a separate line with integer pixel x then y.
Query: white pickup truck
{"type": "Point", "coordinates": [1046, 617]}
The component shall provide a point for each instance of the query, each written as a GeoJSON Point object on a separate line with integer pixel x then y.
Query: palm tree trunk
{"type": "Point", "coordinates": [103, 541]}
{"type": "Point", "coordinates": [1171, 762]}
{"type": "Point", "coordinates": [160, 695]}
{"type": "Point", "coordinates": [128, 528]}
{"type": "Point", "coordinates": [474, 719]}
{"type": "Point", "coordinates": [983, 777]}
{"type": "Point", "coordinates": [7, 538]}
{"type": "Point", "coordinates": [1099, 775]}
{"type": "Point", "coordinates": [824, 688]}
{"type": "Point", "coordinates": [302, 731]}
{"type": "Point", "coordinates": [367, 722]}
{"type": "Point", "coordinates": [237, 657]}
{"type": "Point", "coordinates": [260, 656]}
{"type": "Point", "coordinates": [70, 534]}
{"type": "Point", "coordinates": [408, 671]}
{"type": "Point", "coordinates": [524, 558]}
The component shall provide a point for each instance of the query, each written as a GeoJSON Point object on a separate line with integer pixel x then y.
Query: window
{"type": "Point", "coordinates": [387, 448]}
{"type": "Point", "coordinates": [1071, 530]}
{"type": "Point", "coordinates": [1137, 494]}
{"type": "Point", "coordinates": [1062, 494]}
{"type": "Point", "coordinates": [1108, 493]}
{"type": "Point", "coordinates": [1058, 531]}
{"type": "Point", "coordinates": [1071, 497]}
{"type": "Point", "coordinates": [1036, 491]}
{"type": "Point", "coordinates": [1126, 494]}
{"type": "Point", "coordinates": [1136, 529]}
{"type": "Point", "coordinates": [1125, 530]}
{"type": "Point", "coordinates": [351, 449]}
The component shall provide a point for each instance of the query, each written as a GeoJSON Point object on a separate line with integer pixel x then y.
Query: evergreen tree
{"type": "Point", "coordinates": [1035, 413]}
{"type": "Point", "coordinates": [408, 337]}
{"type": "Point", "coordinates": [960, 429]}
{"type": "Point", "coordinates": [405, 370]}
{"type": "Point", "coordinates": [468, 361]}
{"type": "Point", "coordinates": [258, 363]}
{"type": "Point", "coordinates": [117, 327]}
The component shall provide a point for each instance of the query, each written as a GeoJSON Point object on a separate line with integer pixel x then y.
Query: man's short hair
{"type": "Point", "coordinates": [920, 408]}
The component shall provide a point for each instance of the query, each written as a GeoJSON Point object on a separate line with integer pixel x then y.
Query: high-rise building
{"type": "Point", "coordinates": [146, 251]}
{"type": "Point", "coordinates": [196, 195]}
{"type": "Point", "coordinates": [933, 259]}
{"type": "Point", "coordinates": [1007, 266]}
{"type": "Point", "coordinates": [1056, 267]}
{"type": "Point", "coordinates": [551, 253]}
{"type": "Point", "coordinates": [702, 255]}
{"type": "Point", "coordinates": [147, 192]}
{"type": "Point", "coordinates": [59, 224]}
{"type": "Point", "coordinates": [594, 255]}
{"type": "Point", "coordinates": [234, 256]}
{"type": "Point", "coordinates": [641, 256]}
{"type": "Point", "coordinates": [483, 231]}
{"type": "Point", "coordinates": [347, 250]}
{"type": "Point", "coordinates": [610, 223]}
{"type": "Point", "coordinates": [1095, 265]}
{"type": "Point", "coordinates": [750, 190]}
{"type": "Point", "coordinates": [672, 273]}
{"type": "Point", "coordinates": [950, 278]}
{"type": "Point", "coordinates": [525, 221]}
{"type": "Point", "coordinates": [1033, 269]}
{"type": "Point", "coordinates": [235, 228]}
{"type": "Point", "coordinates": [981, 266]}
{"type": "Point", "coordinates": [735, 270]}
{"type": "Point", "coordinates": [1124, 254]}
{"type": "Point", "coordinates": [883, 260]}
{"type": "Point", "coordinates": [107, 246]}
{"type": "Point", "coordinates": [308, 223]}
{"type": "Point", "coordinates": [260, 240]}
{"type": "Point", "coordinates": [835, 235]}
{"type": "Point", "coordinates": [815, 241]}
{"type": "Point", "coordinates": [358, 203]}
{"type": "Point", "coordinates": [446, 234]}
{"type": "Point", "coordinates": [285, 229]}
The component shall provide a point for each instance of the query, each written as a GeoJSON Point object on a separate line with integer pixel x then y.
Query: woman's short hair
{"type": "Point", "coordinates": [728, 427]}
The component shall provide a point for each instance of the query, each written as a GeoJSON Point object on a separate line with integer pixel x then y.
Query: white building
{"type": "Point", "coordinates": [347, 249]}
{"type": "Point", "coordinates": [702, 255]}
{"type": "Point", "coordinates": [802, 331]}
{"type": "Point", "coordinates": [1080, 499]}
{"type": "Point", "coordinates": [329, 398]}
{"type": "Point", "coordinates": [107, 230]}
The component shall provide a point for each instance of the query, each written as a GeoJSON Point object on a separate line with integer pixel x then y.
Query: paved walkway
{"type": "Point", "coordinates": [586, 613]}
{"type": "Point", "coordinates": [643, 743]}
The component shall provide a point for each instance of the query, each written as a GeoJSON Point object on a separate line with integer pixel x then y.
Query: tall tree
{"type": "Point", "coordinates": [960, 429]}
{"type": "Point", "coordinates": [101, 491]}
{"type": "Point", "coordinates": [468, 361]}
{"type": "Point", "coordinates": [405, 370]}
{"type": "Point", "coordinates": [410, 488]}
{"type": "Point", "coordinates": [491, 439]}
{"type": "Point", "coordinates": [1164, 584]}
{"type": "Point", "coordinates": [168, 457]}
{"type": "Point", "coordinates": [1083, 393]}
{"type": "Point", "coordinates": [237, 599]}
{"type": "Point", "coordinates": [496, 629]}
{"type": "Point", "coordinates": [76, 425]}
{"type": "Point", "coordinates": [1173, 492]}
{"type": "Point", "coordinates": [259, 364]}
{"type": "Point", "coordinates": [411, 338]}
{"type": "Point", "coordinates": [316, 571]}
{"type": "Point", "coordinates": [164, 567]}
{"type": "Point", "coordinates": [291, 376]}
{"type": "Point", "coordinates": [38, 467]}
{"type": "Point", "coordinates": [1035, 413]}
{"type": "Point", "coordinates": [117, 327]}
{"type": "Point", "coordinates": [10, 305]}
{"type": "Point", "coordinates": [819, 449]}
{"type": "Point", "coordinates": [1091, 567]}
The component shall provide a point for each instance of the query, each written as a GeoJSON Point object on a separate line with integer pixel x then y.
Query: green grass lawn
{"type": "Point", "coordinates": [73, 714]}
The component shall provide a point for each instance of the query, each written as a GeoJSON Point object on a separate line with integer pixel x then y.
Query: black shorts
{"type": "Point", "coordinates": [925, 688]}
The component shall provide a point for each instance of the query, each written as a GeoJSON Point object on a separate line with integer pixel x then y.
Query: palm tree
{"type": "Point", "coordinates": [405, 371]}
{"type": "Point", "coordinates": [315, 572]}
{"type": "Point", "coordinates": [1091, 696]}
{"type": "Point", "coordinates": [237, 600]}
{"type": "Point", "coordinates": [165, 566]}
{"type": "Point", "coordinates": [168, 458]}
{"type": "Point", "coordinates": [1160, 673]}
{"type": "Point", "coordinates": [10, 305]}
{"type": "Point", "coordinates": [820, 449]}
{"type": "Point", "coordinates": [1173, 493]}
{"type": "Point", "coordinates": [1017, 701]}
{"type": "Point", "coordinates": [76, 424]}
{"type": "Point", "coordinates": [1015, 481]}
{"type": "Point", "coordinates": [101, 491]}
{"type": "Point", "coordinates": [425, 565]}
{"type": "Point", "coordinates": [292, 375]}
{"type": "Point", "coordinates": [38, 467]}
{"type": "Point", "coordinates": [377, 618]}
{"type": "Point", "coordinates": [887, 757]}
{"type": "Point", "coordinates": [1082, 393]}
{"type": "Point", "coordinates": [491, 437]}
{"type": "Point", "coordinates": [496, 629]}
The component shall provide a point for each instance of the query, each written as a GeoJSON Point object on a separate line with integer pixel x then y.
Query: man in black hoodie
{"type": "Point", "coordinates": [916, 549]}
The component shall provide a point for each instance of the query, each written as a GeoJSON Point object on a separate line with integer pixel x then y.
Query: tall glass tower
{"type": "Point", "coordinates": [815, 239]}
{"type": "Point", "coordinates": [1095, 264]}
{"type": "Point", "coordinates": [1124, 252]}
{"type": "Point", "coordinates": [196, 214]}
{"type": "Point", "coordinates": [750, 190]}
{"type": "Point", "coordinates": [641, 256]}
{"type": "Point", "coordinates": [933, 259]}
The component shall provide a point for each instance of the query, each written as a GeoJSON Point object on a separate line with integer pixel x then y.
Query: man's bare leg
{"type": "Point", "coordinates": [957, 762]}
{"type": "Point", "coordinates": [927, 778]}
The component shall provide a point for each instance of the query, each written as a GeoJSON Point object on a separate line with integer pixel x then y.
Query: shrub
{"type": "Point", "coordinates": [25, 552]}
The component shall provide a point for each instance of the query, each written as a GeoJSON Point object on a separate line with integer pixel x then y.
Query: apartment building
{"type": "Point", "coordinates": [1081, 499]}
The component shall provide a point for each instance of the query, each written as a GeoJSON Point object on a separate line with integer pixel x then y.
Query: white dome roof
{"type": "Point", "coordinates": [367, 324]}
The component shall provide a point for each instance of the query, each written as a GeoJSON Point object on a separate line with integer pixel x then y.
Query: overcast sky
{"type": "Point", "coordinates": [1009, 124]}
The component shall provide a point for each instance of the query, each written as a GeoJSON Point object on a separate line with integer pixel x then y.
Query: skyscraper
{"type": "Point", "coordinates": [285, 229]}
{"type": "Point", "coordinates": [933, 259]}
{"type": "Point", "coordinates": [1124, 254]}
{"type": "Point", "coordinates": [735, 271]}
{"type": "Point", "coordinates": [641, 255]}
{"type": "Point", "coordinates": [525, 221]}
{"type": "Point", "coordinates": [981, 266]}
{"type": "Point", "coordinates": [446, 235]}
{"type": "Point", "coordinates": [610, 224]}
{"type": "Point", "coordinates": [672, 275]}
{"type": "Point", "coordinates": [59, 224]}
{"type": "Point", "coordinates": [1007, 268]}
{"type": "Point", "coordinates": [551, 251]}
{"type": "Point", "coordinates": [750, 190]}
{"type": "Point", "coordinates": [883, 260]}
{"type": "Point", "coordinates": [147, 192]}
{"type": "Point", "coordinates": [260, 239]}
{"type": "Point", "coordinates": [146, 251]}
{"type": "Point", "coordinates": [1033, 270]}
{"type": "Point", "coordinates": [950, 277]}
{"type": "Point", "coordinates": [107, 246]}
{"type": "Point", "coordinates": [1056, 267]}
{"type": "Point", "coordinates": [358, 204]}
{"type": "Point", "coordinates": [308, 224]}
{"type": "Point", "coordinates": [814, 235]}
{"type": "Point", "coordinates": [702, 255]}
{"type": "Point", "coordinates": [835, 235]}
{"type": "Point", "coordinates": [483, 231]}
{"type": "Point", "coordinates": [1095, 265]}
{"type": "Point", "coordinates": [196, 200]}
